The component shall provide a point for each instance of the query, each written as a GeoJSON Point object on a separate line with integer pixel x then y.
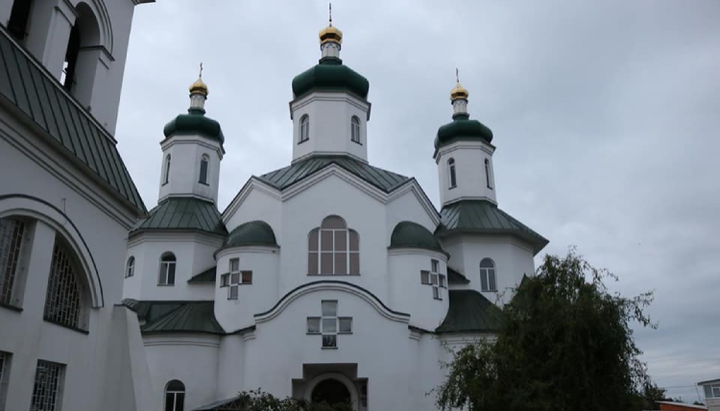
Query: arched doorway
{"type": "Point", "coordinates": [331, 391]}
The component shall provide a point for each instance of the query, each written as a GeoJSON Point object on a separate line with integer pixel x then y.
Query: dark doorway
{"type": "Point", "coordinates": [331, 391]}
{"type": "Point", "coordinates": [19, 17]}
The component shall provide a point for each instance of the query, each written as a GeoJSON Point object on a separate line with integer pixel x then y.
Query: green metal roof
{"type": "Point", "coordinates": [484, 217]}
{"type": "Point", "coordinates": [176, 316]}
{"type": "Point", "coordinates": [183, 213]}
{"type": "Point", "coordinates": [470, 311]}
{"type": "Point", "coordinates": [285, 177]}
{"type": "Point", "coordinates": [195, 122]}
{"type": "Point", "coordinates": [408, 234]}
{"type": "Point", "coordinates": [462, 128]}
{"type": "Point", "coordinates": [251, 233]}
{"type": "Point", "coordinates": [454, 277]}
{"type": "Point", "coordinates": [330, 74]}
{"type": "Point", "coordinates": [37, 94]}
{"type": "Point", "coordinates": [207, 276]}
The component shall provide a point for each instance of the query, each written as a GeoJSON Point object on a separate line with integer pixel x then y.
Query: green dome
{"type": "Point", "coordinates": [462, 128]}
{"type": "Point", "coordinates": [251, 233]}
{"type": "Point", "coordinates": [412, 235]}
{"type": "Point", "coordinates": [195, 122]}
{"type": "Point", "coordinates": [330, 74]}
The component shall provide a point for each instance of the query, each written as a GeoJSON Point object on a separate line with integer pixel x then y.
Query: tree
{"type": "Point", "coordinates": [261, 401]}
{"type": "Point", "coordinates": [566, 344]}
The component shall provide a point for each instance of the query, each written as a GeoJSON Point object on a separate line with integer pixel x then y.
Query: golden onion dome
{"type": "Point", "coordinates": [199, 87]}
{"type": "Point", "coordinates": [330, 34]}
{"type": "Point", "coordinates": [459, 92]}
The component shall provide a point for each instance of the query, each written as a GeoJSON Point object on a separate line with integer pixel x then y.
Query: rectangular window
{"type": "Point", "coordinates": [203, 171]}
{"type": "Point", "coordinates": [11, 241]}
{"type": "Point", "coordinates": [433, 278]}
{"type": "Point", "coordinates": [47, 391]}
{"type": "Point", "coordinates": [424, 277]}
{"type": "Point", "coordinates": [442, 281]}
{"type": "Point", "coordinates": [345, 325]}
{"type": "Point", "coordinates": [235, 278]}
{"type": "Point", "coordinates": [247, 277]}
{"type": "Point", "coordinates": [4, 377]}
{"type": "Point", "coordinates": [224, 280]}
{"type": "Point", "coordinates": [436, 293]}
{"type": "Point", "coordinates": [329, 308]}
{"type": "Point", "coordinates": [313, 325]}
{"type": "Point", "coordinates": [716, 391]}
{"type": "Point", "coordinates": [233, 292]}
{"type": "Point", "coordinates": [234, 264]}
{"type": "Point", "coordinates": [435, 266]}
{"type": "Point", "coordinates": [329, 341]}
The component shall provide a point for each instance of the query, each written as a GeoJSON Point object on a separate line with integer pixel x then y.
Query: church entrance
{"type": "Point", "coordinates": [331, 391]}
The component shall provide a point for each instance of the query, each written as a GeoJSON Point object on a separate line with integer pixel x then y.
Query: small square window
{"type": "Point", "coordinates": [234, 264]}
{"type": "Point", "coordinates": [235, 278]}
{"type": "Point", "coordinates": [442, 281]}
{"type": "Point", "coordinates": [329, 308]}
{"type": "Point", "coordinates": [233, 292]}
{"type": "Point", "coordinates": [247, 277]}
{"type": "Point", "coordinates": [313, 325]}
{"type": "Point", "coordinates": [716, 391]}
{"type": "Point", "coordinates": [329, 341]}
{"type": "Point", "coordinates": [345, 325]}
{"type": "Point", "coordinates": [424, 277]}
{"type": "Point", "coordinates": [329, 325]}
{"type": "Point", "coordinates": [435, 266]}
{"type": "Point", "coordinates": [433, 279]}
{"type": "Point", "coordinates": [224, 280]}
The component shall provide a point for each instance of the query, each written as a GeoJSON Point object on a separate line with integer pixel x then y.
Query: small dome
{"type": "Point", "coordinates": [195, 122]}
{"type": "Point", "coordinates": [331, 75]}
{"type": "Point", "coordinates": [462, 128]}
{"type": "Point", "coordinates": [330, 34]}
{"type": "Point", "coordinates": [251, 233]}
{"type": "Point", "coordinates": [412, 235]}
{"type": "Point", "coordinates": [459, 92]}
{"type": "Point", "coordinates": [199, 87]}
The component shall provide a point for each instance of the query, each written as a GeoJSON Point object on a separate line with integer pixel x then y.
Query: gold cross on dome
{"type": "Point", "coordinates": [201, 70]}
{"type": "Point", "coordinates": [330, 13]}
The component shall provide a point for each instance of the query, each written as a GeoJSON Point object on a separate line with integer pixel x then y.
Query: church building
{"type": "Point", "coordinates": [329, 279]}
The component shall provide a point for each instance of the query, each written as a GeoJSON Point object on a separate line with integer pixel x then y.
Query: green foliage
{"type": "Point", "coordinates": [257, 400]}
{"type": "Point", "coordinates": [566, 345]}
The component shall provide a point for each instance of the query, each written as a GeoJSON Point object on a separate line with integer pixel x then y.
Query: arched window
{"type": "Point", "coordinates": [304, 128]}
{"type": "Point", "coordinates": [355, 129]}
{"type": "Point", "coordinates": [175, 396]}
{"type": "Point", "coordinates": [12, 234]}
{"type": "Point", "coordinates": [66, 302]}
{"type": "Point", "coordinates": [487, 173]}
{"type": "Point", "coordinates": [166, 178]}
{"type": "Point", "coordinates": [167, 269]}
{"type": "Point", "coordinates": [204, 161]}
{"type": "Point", "coordinates": [333, 249]}
{"type": "Point", "coordinates": [80, 66]}
{"type": "Point", "coordinates": [19, 18]}
{"type": "Point", "coordinates": [487, 275]}
{"type": "Point", "coordinates": [451, 172]}
{"type": "Point", "coordinates": [130, 269]}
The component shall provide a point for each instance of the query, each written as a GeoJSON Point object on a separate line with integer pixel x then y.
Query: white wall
{"type": "Point", "coordinates": [194, 253]}
{"type": "Point", "coordinates": [330, 115]}
{"type": "Point", "coordinates": [102, 223]}
{"type": "Point", "coordinates": [470, 173]}
{"type": "Point", "coordinates": [186, 153]}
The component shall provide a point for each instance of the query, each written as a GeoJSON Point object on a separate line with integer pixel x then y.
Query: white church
{"type": "Point", "coordinates": [329, 279]}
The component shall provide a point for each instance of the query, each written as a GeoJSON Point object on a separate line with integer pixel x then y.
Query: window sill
{"type": "Point", "coordinates": [205, 184]}
{"type": "Point", "coordinates": [166, 285]}
{"type": "Point", "coordinates": [303, 141]}
{"type": "Point", "coordinates": [11, 307]}
{"type": "Point", "coordinates": [451, 187]}
{"type": "Point", "coordinates": [309, 333]}
{"type": "Point", "coordinates": [76, 329]}
{"type": "Point", "coordinates": [356, 142]}
{"type": "Point", "coordinates": [164, 184]}
{"type": "Point", "coordinates": [333, 275]}
{"type": "Point", "coordinates": [329, 348]}
{"type": "Point", "coordinates": [344, 332]}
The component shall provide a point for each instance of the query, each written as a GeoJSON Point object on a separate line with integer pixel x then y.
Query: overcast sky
{"type": "Point", "coordinates": [605, 113]}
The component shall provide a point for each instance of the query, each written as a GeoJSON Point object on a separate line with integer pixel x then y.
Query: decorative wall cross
{"type": "Point", "coordinates": [329, 325]}
{"type": "Point", "coordinates": [434, 278]}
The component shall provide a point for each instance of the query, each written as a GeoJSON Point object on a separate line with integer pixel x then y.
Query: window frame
{"type": "Point", "coordinates": [488, 276]}
{"type": "Point", "coordinates": [304, 130]}
{"type": "Point", "coordinates": [67, 301]}
{"type": "Point", "coordinates": [715, 391]}
{"type": "Point", "coordinates": [452, 175]}
{"type": "Point", "coordinates": [166, 175]}
{"type": "Point", "coordinates": [235, 278]}
{"type": "Point", "coordinates": [44, 394]}
{"type": "Point", "coordinates": [204, 169]}
{"type": "Point", "coordinates": [13, 272]}
{"type": "Point", "coordinates": [350, 254]}
{"type": "Point", "coordinates": [174, 394]}
{"type": "Point", "coordinates": [130, 267]}
{"type": "Point", "coordinates": [165, 269]}
{"type": "Point", "coordinates": [355, 130]}
{"type": "Point", "coordinates": [329, 336]}
{"type": "Point", "coordinates": [5, 368]}
{"type": "Point", "coordinates": [487, 174]}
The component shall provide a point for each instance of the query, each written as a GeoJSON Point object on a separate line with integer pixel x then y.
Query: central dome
{"type": "Point", "coordinates": [330, 75]}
